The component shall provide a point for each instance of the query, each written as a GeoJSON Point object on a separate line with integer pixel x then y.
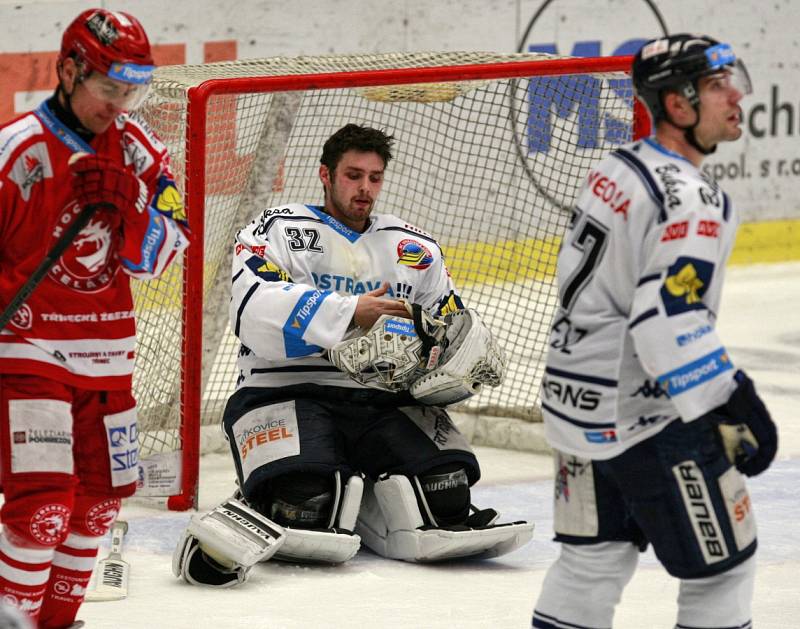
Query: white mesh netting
{"type": "Point", "coordinates": [488, 166]}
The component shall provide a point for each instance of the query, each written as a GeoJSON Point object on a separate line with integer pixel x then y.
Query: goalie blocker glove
{"type": "Point", "coordinates": [749, 435]}
{"type": "Point", "coordinates": [219, 548]}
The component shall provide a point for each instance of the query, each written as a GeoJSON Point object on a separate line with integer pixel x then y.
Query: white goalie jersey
{"type": "Point", "coordinates": [297, 276]}
{"type": "Point", "coordinates": [633, 345]}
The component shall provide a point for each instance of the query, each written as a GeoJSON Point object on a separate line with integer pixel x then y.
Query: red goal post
{"type": "Point", "coordinates": [490, 152]}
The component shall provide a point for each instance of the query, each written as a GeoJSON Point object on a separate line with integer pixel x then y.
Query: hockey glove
{"type": "Point", "coordinates": [99, 180]}
{"type": "Point", "coordinates": [749, 435]}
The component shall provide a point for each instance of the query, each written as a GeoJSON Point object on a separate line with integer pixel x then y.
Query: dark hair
{"type": "Point", "coordinates": [353, 137]}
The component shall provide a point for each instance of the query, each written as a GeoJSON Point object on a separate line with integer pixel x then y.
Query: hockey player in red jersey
{"type": "Point", "coordinates": [68, 438]}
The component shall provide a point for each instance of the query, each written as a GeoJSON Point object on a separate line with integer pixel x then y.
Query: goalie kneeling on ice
{"type": "Point", "coordinates": [391, 524]}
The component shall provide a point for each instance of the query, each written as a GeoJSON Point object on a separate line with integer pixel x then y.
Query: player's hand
{"type": "Point", "coordinates": [749, 435]}
{"type": "Point", "coordinates": [100, 180]}
{"type": "Point", "coordinates": [373, 304]}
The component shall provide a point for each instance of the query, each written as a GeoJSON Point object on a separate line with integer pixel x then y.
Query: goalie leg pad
{"type": "Point", "coordinates": [335, 544]}
{"type": "Point", "coordinates": [391, 524]}
{"type": "Point", "coordinates": [219, 548]}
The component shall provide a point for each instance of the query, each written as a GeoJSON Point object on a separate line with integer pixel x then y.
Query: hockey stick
{"type": "Point", "coordinates": [112, 572]}
{"type": "Point", "coordinates": [83, 218]}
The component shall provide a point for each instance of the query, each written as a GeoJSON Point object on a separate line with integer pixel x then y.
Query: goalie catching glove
{"type": "Point", "coordinates": [440, 361]}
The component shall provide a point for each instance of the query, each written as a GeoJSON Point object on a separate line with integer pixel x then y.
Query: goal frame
{"type": "Point", "coordinates": [194, 191]}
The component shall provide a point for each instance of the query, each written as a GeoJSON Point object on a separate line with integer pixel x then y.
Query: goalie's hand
{"type": "Point", "coordinates": [749, 435]}
{"type": "Point", "coordinates": [372, 306]}
{"type": "Point", "coordinates": [98, 180]}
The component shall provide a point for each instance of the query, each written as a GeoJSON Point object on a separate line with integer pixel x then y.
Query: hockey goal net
{"type": "Point", "coordinates": [490, 152]}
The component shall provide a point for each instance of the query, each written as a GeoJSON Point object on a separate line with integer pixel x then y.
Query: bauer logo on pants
{"type": "Point", "coordinates": [701, 512]}
{"type": "Point", "coordinates": [266, 434]}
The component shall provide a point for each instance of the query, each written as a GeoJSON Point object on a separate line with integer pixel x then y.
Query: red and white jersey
{"type": "Point", "coordinates": [633, 345]}
{"type": "Point", "coordinates": [78, 324]}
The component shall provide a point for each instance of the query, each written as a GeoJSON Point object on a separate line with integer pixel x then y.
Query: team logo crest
{"type": "Point", "coordinates": [414, 254]}
{"type": "Point", "coordinates": [32, 166]}
{"type": "Point", "coordinates": [687, 281]}
{"type": "Point", "coordinates": [23, 318]}
{"type": "Point", "coordinates": [102, 515]}
{"type": "Point", "coordinates": [49, 523]}
{"type": "Point", "coordinates": [90, 262]}
{"type": "Point", "coordinates": [171, 202]}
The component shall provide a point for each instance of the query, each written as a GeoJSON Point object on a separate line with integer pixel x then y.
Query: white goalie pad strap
{"type": "Point", "coordinates": [351, 503]}
{"type": "Point", "coordinates": [389, 356]}
{"type": "Point", "coordinates": [233, 534]}
{"type": "Point", "coordinates": [389, 521]}
{"type": "Point", "coordinates": [471, 358]}
{"type": "Point", "coordinates": [309, 546]}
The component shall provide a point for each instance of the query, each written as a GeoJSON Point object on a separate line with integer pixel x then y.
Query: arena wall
{"type": "Point", "coordinates": [761, 172]}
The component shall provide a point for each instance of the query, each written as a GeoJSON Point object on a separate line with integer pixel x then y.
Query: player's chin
{"type": "Point", "coordinates": [100, 125]}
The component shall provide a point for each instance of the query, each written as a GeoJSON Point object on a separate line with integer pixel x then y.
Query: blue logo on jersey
{"type": "Point", "coordinates": [691, 337]}
{"type": "Point", "coordinates": [687, 281]}
{"type": "Point", "coordinates": [345, 231]}
{"type": "Point", "coordinates": [600, 436]}
{"type": "Point", "coordinates": [298, 322]}
{"type": "Point", "coordinates": [696, 372]}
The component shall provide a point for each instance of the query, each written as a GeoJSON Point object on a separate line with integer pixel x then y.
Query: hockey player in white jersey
{"type": "Point", "coordinates": [337, 428]}
{"type": "Point", "coordinates": [651, 422]}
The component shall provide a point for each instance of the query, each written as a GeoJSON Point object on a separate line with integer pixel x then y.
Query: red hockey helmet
{"type": "Point", "coordinates": [115, 45]}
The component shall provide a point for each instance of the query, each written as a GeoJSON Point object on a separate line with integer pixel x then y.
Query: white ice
{"type": "Point", "coordinates": [761, 329]}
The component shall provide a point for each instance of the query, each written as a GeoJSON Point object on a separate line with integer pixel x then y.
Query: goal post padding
{"type": "Point", "coordinates": [490, 152]}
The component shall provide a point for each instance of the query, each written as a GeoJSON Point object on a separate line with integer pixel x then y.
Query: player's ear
{"type": "Point", "coordinates": [678, 108]}
{"type": "Point", "coordinates": [325, 176]}
{"type": "Point", "coordinates": [68, 74]}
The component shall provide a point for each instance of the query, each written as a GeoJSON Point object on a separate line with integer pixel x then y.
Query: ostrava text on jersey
{"type": "Point", "coordinates": [653, 355]}
{"type": "Point", "coordinates": [297, 275]}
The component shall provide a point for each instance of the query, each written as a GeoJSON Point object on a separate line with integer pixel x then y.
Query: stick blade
{"type": "Point", "coordinates": [112, 581]}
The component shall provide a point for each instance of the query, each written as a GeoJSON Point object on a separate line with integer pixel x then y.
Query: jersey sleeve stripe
{"type": "Point", "coordinates": [577, 422]}
{"type": "Point", "coordinates": [242, 306]}
{"type": "Point", "coordinates": [646, 178]}
{"type": "Point", "coordinates": [643, 317]}
{"type": "Point", "coordinates": [603, 382]}
{"type": "Point", "coordinates": [726, 206]}
{"type": "Point", "coordinates": [237, 276]}
{"type": "Point", "coordinates": [648, 278]}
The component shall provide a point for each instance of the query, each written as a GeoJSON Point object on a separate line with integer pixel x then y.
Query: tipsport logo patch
{"type": "Point", "coordinates": [687, 281]}
{"type": "Point", "coordinates": [696, 372]}
{"type": "Point", "coordinates": [414, 254]}
{"type": "Point", "coordinates": [399, 327]}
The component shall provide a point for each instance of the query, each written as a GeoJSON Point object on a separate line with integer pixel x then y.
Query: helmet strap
{"type": "Point", "coordinates": [691, 93]}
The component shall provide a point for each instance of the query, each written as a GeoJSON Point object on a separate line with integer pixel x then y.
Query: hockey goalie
{"type": "Point", "coordinates": [338, 427]}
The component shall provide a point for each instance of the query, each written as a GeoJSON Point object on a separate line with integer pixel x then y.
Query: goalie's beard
{"type": "Point", "coordinates": [348, 210]}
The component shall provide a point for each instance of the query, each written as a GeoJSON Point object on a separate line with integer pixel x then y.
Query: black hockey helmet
{"type": "Point", "coordinates": [677, 62]}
